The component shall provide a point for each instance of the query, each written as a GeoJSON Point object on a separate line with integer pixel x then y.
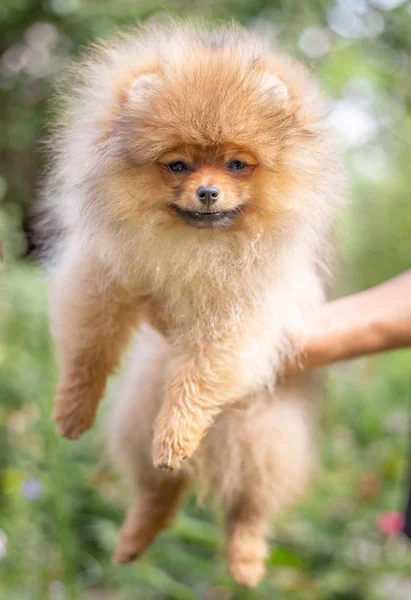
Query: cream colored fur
{"type": "Point", "coordinates": [229, 304]}
{"type": "Point", "coordinates": [258, 457]}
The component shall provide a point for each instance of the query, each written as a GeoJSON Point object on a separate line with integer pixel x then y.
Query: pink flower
{"type": "Point", "coordinates": [390, 522]}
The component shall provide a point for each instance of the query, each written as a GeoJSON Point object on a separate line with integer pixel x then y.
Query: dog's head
{"type": "Point", "coordinates": [215, 136]}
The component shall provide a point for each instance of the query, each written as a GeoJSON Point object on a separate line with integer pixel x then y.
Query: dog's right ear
{"type": "Point", "coordinates": [142, 88]}
{"type": "Point", "coordinates": [133, 101]}
{"type": "Point", "coordinates": [272, 84]}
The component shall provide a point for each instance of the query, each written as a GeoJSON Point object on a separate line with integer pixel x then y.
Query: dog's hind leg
{"type": "Point", "coordinates": [153, 510]}
{"type": "Point", "coordinates": [258, 458]}
{"type": "Point", "coordinates": [157, 492]}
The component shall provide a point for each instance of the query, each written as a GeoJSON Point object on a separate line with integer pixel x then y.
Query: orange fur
{"type": "Point", "coordinates": [229, 285]}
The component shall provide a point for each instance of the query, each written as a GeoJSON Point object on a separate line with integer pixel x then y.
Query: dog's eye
{"type": "Point", "coordinates": [178, 166]}
{"type": "Point", "coordinates": [236, 165]}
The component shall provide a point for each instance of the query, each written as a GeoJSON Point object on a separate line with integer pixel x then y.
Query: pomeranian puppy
{"type": "Point", "coordinates": [190, 197]}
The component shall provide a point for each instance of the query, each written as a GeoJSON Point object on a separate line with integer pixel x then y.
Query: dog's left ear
{"type": "Point", "coordinates": [142, 88]}
{"type": "Point", "coordinates": [272, 84]}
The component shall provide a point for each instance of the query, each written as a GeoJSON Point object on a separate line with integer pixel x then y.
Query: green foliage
{"type": "Point", "coordinates": [61, 505]}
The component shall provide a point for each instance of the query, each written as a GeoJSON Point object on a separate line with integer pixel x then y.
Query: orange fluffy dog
{"type": "Point", "coordinates": [191, 195]}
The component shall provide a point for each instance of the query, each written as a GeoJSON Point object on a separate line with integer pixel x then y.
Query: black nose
{"type": "Point", "coordinates": [208, 195]}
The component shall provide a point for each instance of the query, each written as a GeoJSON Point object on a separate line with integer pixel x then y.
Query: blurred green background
{"type": "Point", "coordinates": [60, 504]}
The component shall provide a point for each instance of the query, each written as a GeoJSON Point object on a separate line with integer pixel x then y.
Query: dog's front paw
{"type": "Point", "coordinates": [72, 418]}
{"type": "Point", "coordinates": [169, 452]}
{"type": "Point", "coordinates": [72, 426]}
{"type": "Point", "coordinates": [176, 437]}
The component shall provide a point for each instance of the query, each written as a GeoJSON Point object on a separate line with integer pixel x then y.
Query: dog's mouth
{"type": "Point", "coordinates": [203, 219]}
